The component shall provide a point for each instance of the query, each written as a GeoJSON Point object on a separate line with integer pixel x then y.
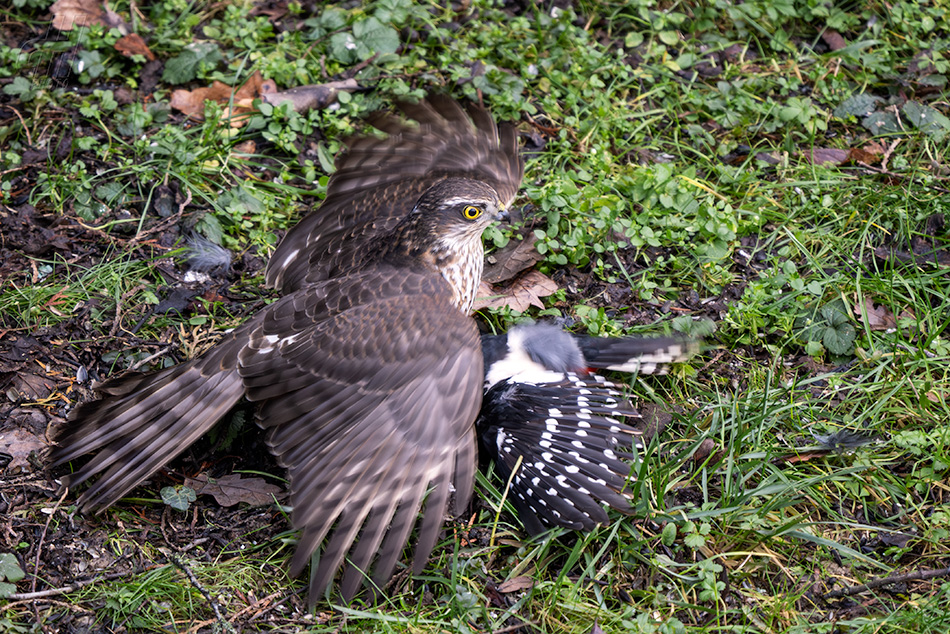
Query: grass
{"type": "Point", "coordinates": [668, 165]}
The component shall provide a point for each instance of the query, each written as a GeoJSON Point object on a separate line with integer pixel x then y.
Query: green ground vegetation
{"type": "Point", "coordinates": [772, 175]}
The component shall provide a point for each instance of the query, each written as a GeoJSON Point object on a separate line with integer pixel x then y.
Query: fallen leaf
{"type": "Point", "coordinates": [878, 317]}
{"type": "Point", "coordinates": [245, 148]}
{"type": "Point", "coordinates": [900, 540]}
{"type": "Point", "coordinates": [232, 489]}
{"type": "Point", "coordinates": [517, 256]}
{"type": "Point", "coordinates": [312, 97]}
{"type": "Point", "coordinates": [69, 14]}
{"type": "Point", "coordinates": [19, 444]}
{"type": "Point", "coordinates": [769, 159]}
{"type": "Point", "coordinates": [833, 39]}
{"type": "Point", "coordinates": [595, 629]}
{"type": "Point", "coordinates": [238, 108]}
{"type": "Point", "coordinates": [133, 44]}
{"type": "Point", "coordinates": [32, 386]}
{"type": "Point", "coordinates": [821, 156]}
{"type": "Point", "coordinates": [516, 584]}
{"type": "Point", "coordinates": [869, 154]}
{"type": "Point", "coordinates": [192, 102]}
{"type": "Point", "coordinates": [522, 293]}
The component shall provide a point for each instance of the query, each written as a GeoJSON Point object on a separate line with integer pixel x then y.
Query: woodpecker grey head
{"type": "Point", "coordinates": [531, 353]}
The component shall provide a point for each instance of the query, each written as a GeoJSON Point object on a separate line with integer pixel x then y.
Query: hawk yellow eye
{"type": "Point", "coordinates": [471, 212]}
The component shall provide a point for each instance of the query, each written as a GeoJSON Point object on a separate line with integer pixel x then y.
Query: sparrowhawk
{"type": "Point", "coordinates": [368, 371]}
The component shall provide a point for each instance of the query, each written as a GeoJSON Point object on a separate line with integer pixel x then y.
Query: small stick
{"type": "Point", "coordinates": [39, 547]}
{"type": "Point", "coordinates": [54, 592]}
{"type": "Point", "coordinates": [917, 575]}
{"type": "Point", "coordinates": [204, 592]}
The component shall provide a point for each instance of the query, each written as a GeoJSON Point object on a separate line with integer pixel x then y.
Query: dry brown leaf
{"type": "Point", "coordinates": [68, 14]}
{"type": "Point", "coordinates": [133, 44]}
{"type": "Point", "coordinates": [312, 97]}
{"type": "Point", "coordinates": [821, 156]}
{"type": "Point", "coordinates": [522, 293]}
{"type": "Point", "coordinates": [32, 386]}
{"type": "Point", "coordinates": [768, 158]}
{"type": "Point", "coordinates": [516, 584]}
{"type": "Point", "coordinates": [19, 444]}
{"type": "Point", "coordinates": [935, 396]}
{"type": "Point", "coordinates": [192, 102]}
{"type": "Point", "coordinates": [517, 256]}
{"type": "Point", "coordinates": [232, 489]}
{"type": "Point", "coordinates": [245, 148]}
{"type": "Point", "coordinates": [833, 39]}
{"type": "Point", "coordinates": [870, 154]}
{"type": "Point", "coordinates": [879, 317]}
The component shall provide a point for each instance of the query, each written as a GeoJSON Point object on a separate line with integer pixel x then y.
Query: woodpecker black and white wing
{"type": "Point", "coordinates": [568, 442]}
{"type": "Point", "coordinates": [565, 434]}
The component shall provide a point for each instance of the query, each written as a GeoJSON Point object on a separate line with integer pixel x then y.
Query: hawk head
{"type": "Point", "coordinates": [444, 232]}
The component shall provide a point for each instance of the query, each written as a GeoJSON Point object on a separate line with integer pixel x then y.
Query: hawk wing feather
{"type": "Point", "coordinates": [368, 374]}
{"type": "Point", "coordinates": [363, 448]}
{"type": "Point", "coordinates": [144, 421]}
{"type": "Point", "coordinates": [379, 180]}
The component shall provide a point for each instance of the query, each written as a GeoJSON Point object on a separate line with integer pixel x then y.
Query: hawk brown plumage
{"type": "Point", "coordinates": [379, 178]}
{"type": "Point", "coordinates": [368, 371]}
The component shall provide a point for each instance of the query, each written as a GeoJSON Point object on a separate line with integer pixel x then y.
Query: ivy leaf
{"type": "Point", "coordinates": [830, 325]}
{"type": "Point", "coordinates": [838, 335]}
{"type": "Point", "coordinates": [881, 123]}
{"type": "Point", "coordinates": [185, 67]}
{"type": "Point", "coordinates": [857, 106]}
{"type": "Point", "coordinates": [928, 120]}
{"type": "Point", "coordinates": [11, 571]}
{"type": "Point", "coordinates": [393, 11]}
{"type": "Point", "coordinates": [178, 497]}
{"type": "Point", "coordinates": [369, 36]}
{"type": "Point", "coordinates": [10, 568]}
{"type": "Point", "coordinates": [332, 19]}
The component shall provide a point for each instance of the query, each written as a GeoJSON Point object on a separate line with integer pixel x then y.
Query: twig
{"type": "Point", "coordinates": [39, 546]}
{"type": "Point", "coordinates": [887, 154]}
{"type": "Point", "coordinates": [204, 592]}
{"type": "Point", "coordinates": [54, 592]}
{"type": "Point", "coordinates": [167, 222]}
{"type": "Point", "coordinates": [26, 128]}
{"type": "Point", "coordinates": [350, 74]}
{"type": "Point", "coordinates": [903, 178]}
{"type": "Point", "coordinates": [917, 575]}
{"type": "Point", "coordinates": [138, 364]}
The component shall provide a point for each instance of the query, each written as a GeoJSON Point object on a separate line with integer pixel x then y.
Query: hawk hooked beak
{"type": "Point", "coordinates": [503, 215]}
